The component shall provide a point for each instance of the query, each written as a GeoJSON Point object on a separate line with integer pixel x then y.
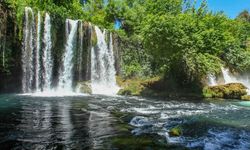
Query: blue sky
{"type": "Point", "coordinates": [230, 7]}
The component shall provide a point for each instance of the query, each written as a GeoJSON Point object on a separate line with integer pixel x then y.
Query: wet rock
{"type": "Point", "coordinates": [139, 121]}
{"type": "Point", "coordinates": [110, 108]}
{"type": "Point", "coordinates": [125, 92]}
{"type": "Point", "coordinates": [228, 91]}
{"type": "Point", "coordinates": [84, 110]}
{"type": "Point", "coordinates": [176, 131]}
{"type": "Point", "coordinates": [85, 87]}
{"type": "Point", "coordinates": [245, 97]}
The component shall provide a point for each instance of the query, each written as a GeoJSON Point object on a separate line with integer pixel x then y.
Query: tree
{"type": "Point", "coordinates": [244, 15]}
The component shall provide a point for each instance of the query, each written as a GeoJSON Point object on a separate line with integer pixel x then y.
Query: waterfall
{"type": "Point", "coordinates": [212, 80]}
{"type": "Point", "coordinates": [227, 76]}
{"type": "Point", "coordinates": [47, 56]}
{"type": "Point", "coordinates": [65, 78]}
{"type": "Point", "coordinates": [38, 52]}
{"type": "Point", "coordinates": [103, 80]}
{"type": "Point", "coordinates": [38, 62]}
{"type": "Point", "coordinates": [27, 51]}
{"type": "Point", "coordinates": [231, 79]}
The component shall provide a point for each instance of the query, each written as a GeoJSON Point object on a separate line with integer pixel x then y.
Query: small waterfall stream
{"type": "Point", "coordinates": [228, 78]}
{"type": "Point", "coordinates": [47, 58]}
{"type": "Point", "coordinates": [28, 51]}
{"type": "Point", "coordinates": [212, 80]}
{"type": "Point", "coordinates": [65, 78]}
{"type": "Point", "coordinates": [38, 46]}
{"type": "Point", "coordinates": [102, 67]}
{"type": "Point", "coordinates": [36, 62]}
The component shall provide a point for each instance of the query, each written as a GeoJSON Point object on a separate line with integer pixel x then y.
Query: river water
{"type": "Point", "coordinates": [88, 122]}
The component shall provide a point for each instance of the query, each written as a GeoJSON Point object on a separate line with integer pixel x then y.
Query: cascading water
{"type": "Point", "coordinates": [212, 80]}
{"type": "Point", "coordinates": [38, 70]}
{"type": "Point", "coordinates": [28, 51]}
{"type": "Point", "coordinates": [65, 78]}
{"type": "Point", "coordinates": [103, 80]}
{"type": "Point", "coordinates": [231, 79]}
{"type": "Point", "coordinates": [227, 77]}
{"type": "Point", "coordinates": [38, 62]}
{"type": "Point", "coordinates": [47, 56]}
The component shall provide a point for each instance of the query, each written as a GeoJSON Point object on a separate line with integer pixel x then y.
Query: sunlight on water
{"type": "Point", "coordinates": [247, 104]}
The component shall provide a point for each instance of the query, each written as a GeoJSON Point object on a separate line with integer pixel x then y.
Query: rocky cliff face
{"type": "Point", "coordinates": [117, 53]}
{"type": "Point", "coordinates": [10, 51]}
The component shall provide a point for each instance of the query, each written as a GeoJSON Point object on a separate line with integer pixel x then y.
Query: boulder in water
{"type": "Point", "coordinates": [227, 91]}
{"type": "Point", "coordinates": [139, 121]}
{"type": "Point", "coordinates": [84, 87]}
{"type": "Point", "coordinates": [245, 97]}
{"type": "Point", "coordinates": [176, 131]}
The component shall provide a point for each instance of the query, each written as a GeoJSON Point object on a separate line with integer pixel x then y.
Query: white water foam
{"type": "Point", "coordinates": [38, 46]}
{"type": "Point", "coordinates": [229, 78]}
{"type": "Point", "coordinates": [53, 94]}
{"type": "Point", "coordinates": [28, 51]}
{"type": "Point", "coordinates": [47, 54]}
{"type": "Point", "coordinates": [103, 80]}
{"type": "Point", "coordinates": [65, 78]}
{"type": "Point", "coordinates": [212, 80]}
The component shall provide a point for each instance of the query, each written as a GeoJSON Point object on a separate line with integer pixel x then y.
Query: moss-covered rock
{"type": "Point", "coordinates": [176, 131]}
{"type": "Point", "coordinates": [245, 97]}
{"type": "Point", "coordinates": [84, 87]}
{"type": "Point", "coordinates": [227, 91]}
{"type": "Point", "coordinates": [136, 86]}
{"type": "Point", "coordinates": [124, 92]}
{"type": "Point", "coordinates": [93, 37]}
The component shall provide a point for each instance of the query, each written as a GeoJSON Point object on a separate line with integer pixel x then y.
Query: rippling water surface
{"type": "Point", "coordinates": [86, 122]}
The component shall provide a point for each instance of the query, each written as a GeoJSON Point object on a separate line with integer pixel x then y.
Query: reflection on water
{"type": "Point", "coordinates": [100, 129]}
{"type": "Point", "coordinates": [85, 122]}
{"type": "Point", "coordinates": [65, 122]}
{"type": "Point", "coordinates": [43, 123]}
{"type": "Point", "coordinates": [35, 123]}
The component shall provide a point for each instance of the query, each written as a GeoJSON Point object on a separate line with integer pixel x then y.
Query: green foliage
{"type": "Point", "coordinates": [244, 16]}
{"type": "Point", "coordinates": [198, 65]}
{"type": "Point", "coordinates": [59, 9]}
{"type": "Point", "coordinates": [182, 41]}
{"type": "Point", "coordinates": [196, 43]}
{"type": "Point", "coordinates": [115, 10]}
{"type": "Point", "coordinates": [238, 59]}
{"type": "Point", "coordinates": [135, 62]}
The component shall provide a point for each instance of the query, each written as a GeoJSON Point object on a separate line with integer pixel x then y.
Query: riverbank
{"type": "Point", "coordinates": [158, 88]}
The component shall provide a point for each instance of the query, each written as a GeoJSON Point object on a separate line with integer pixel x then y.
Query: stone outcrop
{"type": "Point", "coordinates": [227, 91]}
